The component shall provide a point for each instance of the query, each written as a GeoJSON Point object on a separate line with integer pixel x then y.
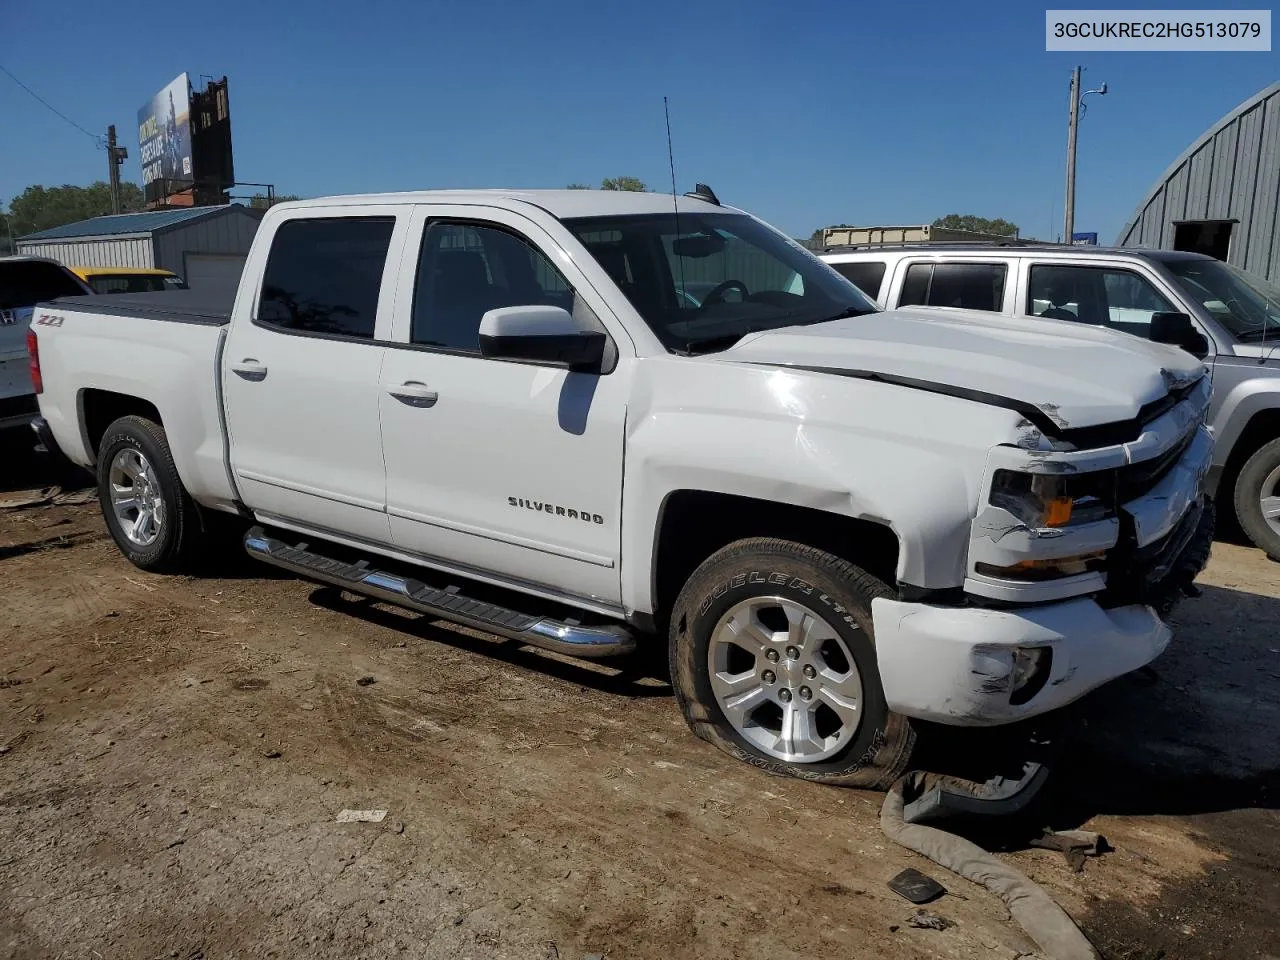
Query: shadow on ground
{"type": "Point", "coordinates": [23, 468]}
{"type": "Point", "coordinates": [1194, 737]}
{"type": "Point", "coordinates": [641, 675]}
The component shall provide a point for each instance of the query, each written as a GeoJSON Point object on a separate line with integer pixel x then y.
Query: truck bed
{"type": "Point", "coordinates": [161, 348]}
{"type": "Point", "coordinates": [211, 307]}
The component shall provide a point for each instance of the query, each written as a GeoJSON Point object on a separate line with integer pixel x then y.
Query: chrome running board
{"type": "Point", "coordinates": [449, 603]}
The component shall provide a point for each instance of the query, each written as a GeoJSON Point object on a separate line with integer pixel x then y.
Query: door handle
{"type": "Point", "coordinates": [250, 369]}
{"type": "Point", "coordinates": [414, 393]}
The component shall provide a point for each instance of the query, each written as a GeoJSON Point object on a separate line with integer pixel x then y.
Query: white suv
{"type": "Point", "coordinates": [1226, 317]}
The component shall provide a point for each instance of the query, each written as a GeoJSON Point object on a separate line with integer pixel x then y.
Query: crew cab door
{"type": "Point", "coordinates": [500, 468]}
{"type": "Point", "coordinates": [1116, 294]}
{"type": "Point", "coordinates": [301, 370]}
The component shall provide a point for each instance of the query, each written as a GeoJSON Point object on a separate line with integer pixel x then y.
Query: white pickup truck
{"type": "Point", "coordinates": [642, 417]}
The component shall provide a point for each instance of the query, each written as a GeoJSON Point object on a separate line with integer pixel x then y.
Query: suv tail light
{"type": "Point", "coordinates": [33, 350]}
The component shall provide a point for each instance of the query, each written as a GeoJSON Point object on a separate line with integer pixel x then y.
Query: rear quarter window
{"type": "Point", "coordinates": [866, 275]}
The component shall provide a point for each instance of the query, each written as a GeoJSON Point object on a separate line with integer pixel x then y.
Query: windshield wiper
{"type": "Point", "coordinates": [729, 339]}
{"type": "Point", "coordinates": [1257, 333]}
{"type": "Point", "coordinates": [714, 343]}
{"type": "Point", "coordinates": [844, 315]}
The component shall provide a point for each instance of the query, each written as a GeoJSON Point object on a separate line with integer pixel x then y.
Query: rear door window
{"type": "Point", "coordinates": [323, 276]}
{"type": "Point", "coordinates": [972, 286]}
{"type": "Point", "coordinates": [863, 274]}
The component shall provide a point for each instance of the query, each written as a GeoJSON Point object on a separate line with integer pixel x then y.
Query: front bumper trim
{"type": "Point", "coordinates": [954, 665]}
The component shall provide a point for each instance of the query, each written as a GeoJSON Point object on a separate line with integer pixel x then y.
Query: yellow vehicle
{"type": "Point", "coordinates": [129, 279]}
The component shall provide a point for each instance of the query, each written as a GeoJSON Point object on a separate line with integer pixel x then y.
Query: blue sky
{"type": "Point", "coordinates": [805, 113]}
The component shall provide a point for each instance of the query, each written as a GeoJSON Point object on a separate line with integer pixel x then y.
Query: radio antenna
{"type": "Point", "coordinates": [675, 201]}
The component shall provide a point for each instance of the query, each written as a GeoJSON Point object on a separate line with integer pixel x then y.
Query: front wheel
{"type": "Point", "coordinates": [773, 661]}
{"type": "Point", "coordinates": [148, 512]}
{"type": "Point", "coordinates": [1257, 498]}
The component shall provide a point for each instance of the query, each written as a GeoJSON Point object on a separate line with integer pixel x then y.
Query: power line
{"type": "Point", "coordinates": [92, 136]}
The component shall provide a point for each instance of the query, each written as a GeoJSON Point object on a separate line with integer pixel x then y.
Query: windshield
{"type": "Point", "coordinates": [1239, 301]}
{"type": "Point", "coordinates": [24, 283]}
{"type": "Point", "coordinates": [716, 279]}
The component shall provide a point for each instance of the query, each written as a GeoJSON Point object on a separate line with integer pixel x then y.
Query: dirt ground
{"type": "Point", "coordinates": [174, 752]}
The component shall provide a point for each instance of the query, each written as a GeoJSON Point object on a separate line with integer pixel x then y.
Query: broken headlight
{"type": "Point", "coordinates": [1035, 571]}
{"type": "Point", "coordinates": [1054, 500]}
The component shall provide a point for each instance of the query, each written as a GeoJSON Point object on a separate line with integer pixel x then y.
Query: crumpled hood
{"type": "Point", "coordinates": [1081, 376]}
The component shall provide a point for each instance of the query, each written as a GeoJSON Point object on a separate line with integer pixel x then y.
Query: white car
{"type": "Point", "coordinates": [24, 282]}
{"type": "Point", "coordinates": [835, 520]}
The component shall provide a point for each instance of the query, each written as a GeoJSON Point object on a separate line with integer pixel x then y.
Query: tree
{"type": "Point", "coordinates": [259, 200]}
{"type": "Point", "coordinates": [956, 221]}
{"type": "Point", "coordinates": [42, 208]}
{"type": "Point", "coordinates": [632, 184]}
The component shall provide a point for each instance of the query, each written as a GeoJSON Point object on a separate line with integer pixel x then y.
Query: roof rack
{"type": "Point", "coordinates": [946, 245]}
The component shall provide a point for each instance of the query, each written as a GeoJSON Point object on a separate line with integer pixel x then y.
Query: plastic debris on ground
{"type": "Point", "coordinates": [925, 920]}
{"type": "Point", "coordinates": [361, 816]}
{"type": "Point", "coordinates": [913, 885]}
{"type": "Point", "coordinates": [1075, 845]}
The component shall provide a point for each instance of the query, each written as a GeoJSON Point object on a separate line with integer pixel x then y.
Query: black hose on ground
{"type": "Point", "coordinates": [1034, 910]}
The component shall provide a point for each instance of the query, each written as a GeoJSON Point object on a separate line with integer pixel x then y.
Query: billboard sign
{"type": "Point", "coordinates": [164, 140]}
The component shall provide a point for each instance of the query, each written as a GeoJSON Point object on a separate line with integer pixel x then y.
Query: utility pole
{"type": "Point", "coordinates": [1069, 217]}
{"type": "Point", "coordinates": [1077, 109]}
{"type": "Point", "coordinates": [115, 157]}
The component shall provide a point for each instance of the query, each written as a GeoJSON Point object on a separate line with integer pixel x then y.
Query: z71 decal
{"type": "Point", "coordinates": [50, 320]}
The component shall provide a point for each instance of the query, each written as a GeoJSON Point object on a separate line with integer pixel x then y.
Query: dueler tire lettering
{"type": "Point", "coordinates": [880, 749]}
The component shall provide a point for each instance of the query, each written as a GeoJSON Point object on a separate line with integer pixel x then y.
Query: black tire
{"type": "Point", "coordinates": [1248, 498]}
{"type": "Point", "coordinates": [178, 539]}
{"type": "Point", "coordinates": [880, 749]}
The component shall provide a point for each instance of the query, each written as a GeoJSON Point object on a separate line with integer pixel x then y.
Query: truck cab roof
{"type": "Point", "coordinates": [562, 204]}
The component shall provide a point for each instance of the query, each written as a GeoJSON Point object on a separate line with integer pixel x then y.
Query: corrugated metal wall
{"type": "Point", "coordinates": [228, 233]}
{"type": "Point", "coordinates": [1231, 173]}
{"type": "Point", "coordinates": [106, 252]}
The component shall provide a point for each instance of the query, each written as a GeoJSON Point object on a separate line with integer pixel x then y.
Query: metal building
{"type": "Point", "coordinates": [1222, 195]}
{"type": "Point", "coordinates": [206, 246]}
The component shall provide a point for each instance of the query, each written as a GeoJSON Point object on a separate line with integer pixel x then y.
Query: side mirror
{"type": "Point", "coordinates": [1177, 330]}
{"type": "Point", "coordinates": [540, 335]}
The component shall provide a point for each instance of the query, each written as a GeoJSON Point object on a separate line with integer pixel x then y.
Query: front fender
{"type": "Point", "coordinates": [1237, 407]}
{"type": "Point", "coordinates": [905, 458]}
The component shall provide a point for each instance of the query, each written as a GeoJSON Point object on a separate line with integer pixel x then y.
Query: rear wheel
{"type": "Point", "coordinates": [1257, 498]}
{"type": "Point", "coordinates": [148, 512]}
{"type": "Point", "coordinates": [773, 661]}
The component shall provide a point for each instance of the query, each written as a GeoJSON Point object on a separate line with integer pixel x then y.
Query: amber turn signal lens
{"type": "Point", "coordinates": [1057, 512]}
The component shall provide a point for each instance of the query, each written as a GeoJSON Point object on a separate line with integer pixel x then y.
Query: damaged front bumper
{"type": "Point", "coordinates": [983, 666]}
